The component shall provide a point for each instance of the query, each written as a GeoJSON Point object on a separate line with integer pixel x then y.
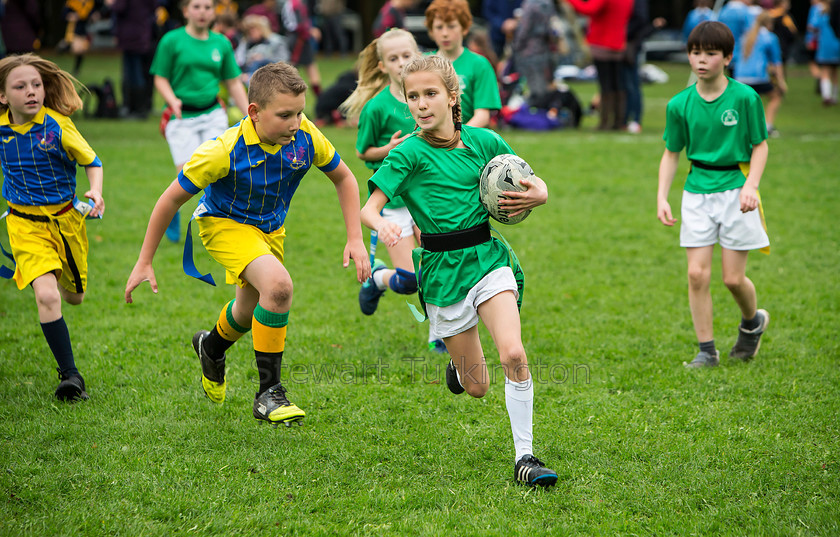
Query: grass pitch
{"type": "Point", "coordinates": [641, 445]}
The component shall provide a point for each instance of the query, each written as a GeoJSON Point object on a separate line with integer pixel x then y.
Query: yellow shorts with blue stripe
{"type": "Point", "coordinates": [60, 245]}
{"type": "Point", "coordinates": [234, 245]}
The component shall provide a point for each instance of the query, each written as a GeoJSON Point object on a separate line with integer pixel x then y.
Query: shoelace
{"type": "Point", "coordinates": [535, 461]}
{"type": "Point", "coordinates": [277, 394]}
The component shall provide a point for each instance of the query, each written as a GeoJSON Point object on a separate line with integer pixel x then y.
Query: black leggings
{"type": "Point", "coordinates": [609, 75]}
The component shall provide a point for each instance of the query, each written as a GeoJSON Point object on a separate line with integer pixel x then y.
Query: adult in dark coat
{"type": "Point", "coordinates": [134, 28]}
{"type": "Point", "coordinates": [20, 26]}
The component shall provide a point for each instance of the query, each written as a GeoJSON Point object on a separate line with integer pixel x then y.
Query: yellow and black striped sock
{"type": "Point", "coordinates": [269, 333]}
{"type": "Point", "coordinates": [226, 332]}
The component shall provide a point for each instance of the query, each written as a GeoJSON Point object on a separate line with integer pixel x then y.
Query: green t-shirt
{"type": "Point", "coordinates": [479, 88]}
{"type": "Point", "coordinates": [440, 189]}
{"type": "Point", "coordinates": [381, 117]}
{"type": "Point", "coordinates": [195, 67]}
{"type": "Point", "coordinates": [721, 132]}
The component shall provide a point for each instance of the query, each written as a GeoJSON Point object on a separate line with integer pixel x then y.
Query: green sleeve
{"type": "Point", "coordinates": [230, 69]}
{"type": "Point", "coordinates": [486, 90]}
{"type": "Point", "coordinates": [164, 56]}
{"type": "Point", "coordinates": [756, 121]}
{"type": "Point", "coordinates": [674, 136]}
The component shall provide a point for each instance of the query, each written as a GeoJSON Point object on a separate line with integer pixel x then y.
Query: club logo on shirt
{"type": "Point", "coordinates": [729, 118]}
{"type": "Point", "coordinates": [47, 142]}
{"type": "Point", "coordinates": [296, 157]}
{"type": "Point", "coordinates": [216, 55]}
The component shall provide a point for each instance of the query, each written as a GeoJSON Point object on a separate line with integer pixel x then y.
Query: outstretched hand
{"type": "Point", "coordinates": [140, 274]}
{"type": "Point", "coordinates": [356, 251]}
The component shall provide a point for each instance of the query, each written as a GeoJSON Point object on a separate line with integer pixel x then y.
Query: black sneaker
{"type": "Point", "coordinates": [212, 371]}
{"type": "Point", "coordinates": [748, 342]}
{"type": "Point", "coordinates": [273, 407]}
{"type": "Point", "coordinates": [529, 470]}
{"type": "Point", "coordinates": [452, 379]}
{"type": "Point", "coordinates": [71, 388]}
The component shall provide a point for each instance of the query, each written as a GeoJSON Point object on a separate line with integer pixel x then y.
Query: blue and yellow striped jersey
{"type": "Point", "coordinates": [251, 182]}
{"type": "Point", "coordinates": [39, 158]}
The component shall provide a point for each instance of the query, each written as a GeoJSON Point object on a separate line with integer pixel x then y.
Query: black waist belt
{"type": "Point", "coordinates": [712, 167]}
{"type": "Point", "coordinates": [456, 240]}
{"type": "Point", "coordinates": [40, 217]}
{"type": "Point", "coordinates": [190, 108]}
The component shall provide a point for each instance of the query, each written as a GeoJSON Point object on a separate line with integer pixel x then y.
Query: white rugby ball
{"type": "Point", "coordinates": [501, 174]}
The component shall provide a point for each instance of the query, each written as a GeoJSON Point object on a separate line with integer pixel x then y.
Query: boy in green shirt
{"type": "Point", "coordinates": [720, 123]}
{"type": "Point", "coordinates": [448, 22]}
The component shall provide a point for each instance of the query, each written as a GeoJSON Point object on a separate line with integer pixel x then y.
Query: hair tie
{"type": "Point", "coordinates": [457, 125]}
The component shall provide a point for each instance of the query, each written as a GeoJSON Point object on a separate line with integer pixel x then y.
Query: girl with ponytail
{"type": "Point", "coordinates": [465, 273]}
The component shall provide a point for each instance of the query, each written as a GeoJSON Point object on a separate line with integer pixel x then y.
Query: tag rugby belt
{"type": "Point", "coordinates": [712, 167]}
{"type": "Point", "coordinates": [456, 240]}
{"type": "Point", "coordinates": [39, 217]}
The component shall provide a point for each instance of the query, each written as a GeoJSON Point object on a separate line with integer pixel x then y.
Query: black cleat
{"type": "Point", "coordinates": [273, 406]}
{"type": "Point", "coordinates": [71, 388]}
{"type": "Point", "coordinates": [529, 470]}
{"type": "Point", "coordinates": [212, 371]}
{"type": "Point", "coordinates": [452, 379]}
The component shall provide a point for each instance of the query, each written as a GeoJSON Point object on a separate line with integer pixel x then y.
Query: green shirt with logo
{"type": "Point", "coordinates": [718, 133]}
{"type": "Point", "coordinates": [195, 67]}
{"type": "Point", "coordinates": [440, 189]}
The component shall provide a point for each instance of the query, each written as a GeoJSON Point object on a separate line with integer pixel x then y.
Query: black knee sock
{"type": "Point", "coordinates": [58, 338]}
{"type": "Point", "coordinates": [268, 366]}
{"type": "Point", "coordinates": [77, 65]}
{"type": "Point", "coordinates": [215, 345]}
{"type": "Point", "coordinates": [708, 346]}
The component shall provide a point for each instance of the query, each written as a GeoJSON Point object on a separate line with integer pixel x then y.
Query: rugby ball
{"type": "Point", "coordinates": [501, 174]}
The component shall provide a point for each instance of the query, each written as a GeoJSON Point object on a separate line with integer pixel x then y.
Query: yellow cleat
{"type": "Point", "coordinates": [214, 391]}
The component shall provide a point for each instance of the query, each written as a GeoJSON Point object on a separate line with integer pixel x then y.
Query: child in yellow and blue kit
{"type": "Point", "coordinates": [249, 175]}
{"type": "Point", "coordinates": [39, 150]}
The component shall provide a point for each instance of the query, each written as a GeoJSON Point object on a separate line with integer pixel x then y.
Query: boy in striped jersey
{"type": "Point", "coordinates": [249, 175]}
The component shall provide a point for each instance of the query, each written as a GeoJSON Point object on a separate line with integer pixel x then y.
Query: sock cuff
{"type": "Point", "coordinates": [520, 391]}
{"type": "Point", "coordinates": [270, 318]}
{"type": "Point", "coordinates": [231, 321]}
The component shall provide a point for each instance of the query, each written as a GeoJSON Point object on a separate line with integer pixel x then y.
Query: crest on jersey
{"type": "Point", "coordinates": [296, 156]}
{"type": "Point", "coordinates": [47, 142]}
{"type": "Point", "coordinates": [729, 118]}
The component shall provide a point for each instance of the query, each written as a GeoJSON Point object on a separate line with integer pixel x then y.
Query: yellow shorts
{"type": "Point", "coordinates": [58, 245]}
{"type": "Point", "coordinates": [234, 245]}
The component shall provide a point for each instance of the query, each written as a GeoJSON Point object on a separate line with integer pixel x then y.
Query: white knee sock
{"type": "Point", "coordinates": [519, 399]}
{"type": "Point", "coordinates": [825, 88]}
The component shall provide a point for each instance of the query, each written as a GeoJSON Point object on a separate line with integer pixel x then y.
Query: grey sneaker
{"type": "Point", "coordinates": [748, 342]}
{"type": "Point", "coordinates": [704, 359]}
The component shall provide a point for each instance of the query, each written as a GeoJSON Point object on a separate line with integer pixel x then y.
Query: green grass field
{"type": "Point", "coordinates": [642, 446]}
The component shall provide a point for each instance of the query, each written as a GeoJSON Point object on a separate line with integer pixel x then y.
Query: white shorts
{"type": "Point", "coordinates": [450, 320]}
{"type": "Point", "coordinates": [185, 135]}
{"type": "Point", "coordinates": [711, 218]}
{"type": "Point", "coordinates": [402, 218]}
